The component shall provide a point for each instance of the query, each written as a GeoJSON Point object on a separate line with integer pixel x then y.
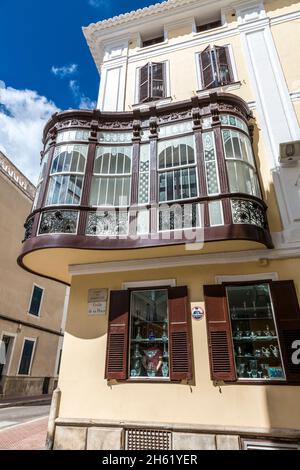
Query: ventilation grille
{"type": "Point", "coordinates": [180, 357]}
{"type": "Point", "coordinates": [115, 352]}
{"type": "Point", "coordinates": [147, 439]}
{"type": "Point", "coordinates": [220, 352]}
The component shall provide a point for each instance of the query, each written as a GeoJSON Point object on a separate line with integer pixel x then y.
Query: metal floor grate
{"type": "Point", "coordinates": [147, 439]}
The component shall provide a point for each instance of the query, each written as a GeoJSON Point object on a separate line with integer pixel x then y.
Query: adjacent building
{"type": "Point", "coordinates": [31, 307]}
{"type": "Point", "coordinates": [173, 212]}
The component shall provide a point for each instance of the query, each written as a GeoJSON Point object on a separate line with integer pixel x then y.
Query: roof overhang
{"type": "Point", "coordinates": [127, 25]}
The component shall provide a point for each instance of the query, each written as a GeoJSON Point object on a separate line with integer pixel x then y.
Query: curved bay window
{"type": "Point", "coordinates": [66, 175]}
{"type": "Point", "coordinates": [179, 167]}
{"type": "Point", "coordinates": [112, 177]}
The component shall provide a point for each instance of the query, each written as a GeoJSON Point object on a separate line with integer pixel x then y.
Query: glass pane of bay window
{"type": "Point", "coordinates": [254, 333]}
{"type": "Point", "coordinates": [143, 192]}
{"type": "Point", "coordinates": [179, 217]}
{"type": "Point", "coordinates": [149, 355]}
{"type": "Point", "coordinates": [215, 213]}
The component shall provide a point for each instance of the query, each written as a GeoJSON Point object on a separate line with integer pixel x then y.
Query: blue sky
{"type": "Point", "coordinates": [46, 65]}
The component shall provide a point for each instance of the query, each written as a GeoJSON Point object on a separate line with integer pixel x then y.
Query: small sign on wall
{"type": "Point", "coordinates": [97, 301]}
{"type": "Point", "coordinates": [197, 312]}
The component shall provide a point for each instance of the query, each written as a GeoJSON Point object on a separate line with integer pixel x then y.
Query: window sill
{"type": "Point", "coordinates": [224, 88]}
{"type": "Point", "coordinates": [156, 103]}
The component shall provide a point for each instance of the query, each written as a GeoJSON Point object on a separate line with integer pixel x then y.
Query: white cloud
{"type": "Point", "coordinates": [98, 3]}
{"type": "Point", "coordinates": [23, 115]}
{"type": "Point", "coordinates": [65, 70]}
{"type": "Point", "coordinates": [82, 101]}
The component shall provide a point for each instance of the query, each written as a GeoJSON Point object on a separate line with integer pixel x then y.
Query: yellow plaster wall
{"type": "Point", "coordinates": [85, 393]}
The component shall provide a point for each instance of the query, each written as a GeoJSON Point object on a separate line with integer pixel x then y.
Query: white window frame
{"type": "Point", "coordinates": [14, 336]}
{"type": "Point", "coordinates": [34, 340]}
{"type": "Point", "coordinates": [67, 173]}
{"type": "Point", "coordinates": [246, 277]}
{"type": "Point", "coordinates": [232, 63]}
{"type": "Point", "coordinates": [211, 131]}
{"type": "Point", "coordinates": [178, 167]}
{"type": "Point", "coordinates": [30, 300]}
{"type": "Point", "coordinates": [137, 83]}
{"type": "Point", "coordinates": [110, 176]}
{"type": "Point", "coordinates": [154, 283]}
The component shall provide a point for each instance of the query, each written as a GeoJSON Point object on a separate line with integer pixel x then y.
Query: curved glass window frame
{"type": "Point", "coordinates": [242, 161]}
{"type": "Point", "coordinates": [112, 176]}
{"type": "Point", "coordinates": [181, 167]}
{"type": "Point", "coordinates": [72, 135]}
{"type": "Point", "coordinates": [69, 174]}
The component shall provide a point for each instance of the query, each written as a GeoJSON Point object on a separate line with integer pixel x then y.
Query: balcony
{"type": "Point", "coordinates": [147, 179]}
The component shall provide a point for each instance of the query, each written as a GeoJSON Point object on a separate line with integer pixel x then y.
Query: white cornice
{"type": "Point", "coordinates": [179, 261]}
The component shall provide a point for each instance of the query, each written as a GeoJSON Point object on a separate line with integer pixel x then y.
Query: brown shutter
{"type": "Point", "coordinates": [157, 80]}
{"type": "Point", "coordinates": [145, 83]}
{"type": "Point", "coordinates": [117, 336]}
{"type": "Point", "coordinates": [225, 74]}
{"type": "Point", "coordinates": [287, 314]}
{"type": "Point", "coordinates": [222, 365]}
{"type": "Point", "coordinates": [180, 342]}
{"type": "Point", "coordinates": [206, 68]}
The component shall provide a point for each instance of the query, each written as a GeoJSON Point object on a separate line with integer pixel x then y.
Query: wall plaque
{"type": "Point", "coordinates": [97, 301]}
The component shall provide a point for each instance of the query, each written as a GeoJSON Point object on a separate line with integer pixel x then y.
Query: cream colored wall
{"type": "Point", "coordinates": [16, 284]}
{"type": "Point", "coordinates": [287, 41]}
{"type": "Point", "coordinates": [183, 62]}
{"type": "Point", "coordinates": [44, 358]}
{"type": "Point", "coordinates": [85, 393]}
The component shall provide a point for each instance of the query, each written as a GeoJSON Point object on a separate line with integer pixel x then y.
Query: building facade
{"type": "Point", "coordinates": [31, 308]}
{"type": "Point", "coordinates": [173, 213]}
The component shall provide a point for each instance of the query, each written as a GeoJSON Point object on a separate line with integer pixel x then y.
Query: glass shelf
{"type": "Point", "coordinates": [255, 338]}
{"type": "Point", "coordinates": [250, 318]}
{"type": "Point", "coordinates": [146, 340]}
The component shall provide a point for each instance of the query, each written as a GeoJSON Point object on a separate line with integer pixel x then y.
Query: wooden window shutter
{"type": "Point", "coordinates": [225, 74]}
{"type": "Point", "coordinates": [158, 84]}
{"type": "Point", "coordinates": [220, 345]}
{"type": "Point", "coordinates": [180, 341]}
{"type": "Point", "coordinates": [145, 83]}
{"type": "Point", "coordinates": [287, 313]}
{"type": "Point", "coordinates": [207, 68]}
{"type": "Point", "coordinates": [117, 336]}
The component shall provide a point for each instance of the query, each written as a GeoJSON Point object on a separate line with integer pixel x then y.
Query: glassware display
{"type": "Point", "coordinates": [254, 334]}
{"type": "Point", "coordinates": [149, 356]}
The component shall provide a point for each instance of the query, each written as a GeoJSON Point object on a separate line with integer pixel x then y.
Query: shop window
{"type": "Point", "coordinates": [149, 335]}
{"type": "Point", "coordinates": [26, 357]}
{"type": "Point", "coordinates": [112, 177]}
{"type": "Point", "coordinates": [66, 175]}
{"type": "Point", "coordinates": [36, 300]}
{"type": "Point", "coordinates": [257, 444]}
{"type": "Point", "coordinates": [215, 67]}
{"type": "Point", "coordinates": [152, 82]}
{"type": "Point", "coordinates": [253, 329]}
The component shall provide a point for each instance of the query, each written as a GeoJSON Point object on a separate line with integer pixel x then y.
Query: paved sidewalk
{"type": "Point", "coordinates": [19, 401]}
{"type": "Point", "coordinates": [27, 436]}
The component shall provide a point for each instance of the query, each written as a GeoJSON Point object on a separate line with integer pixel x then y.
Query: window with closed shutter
{"type": "Point", "coordinates": [215, 67]}
{"type": "Point", "coordinates": [152, 84]}
{"type": "Point", "coordinates": [149, 335]}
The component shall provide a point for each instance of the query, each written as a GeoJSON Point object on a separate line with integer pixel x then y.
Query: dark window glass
{"type": "Point", "coordinates": [207, 26]}
{"type": "Point", "coordinates": [36, 301]}
{"type": "Point", "coordinates": [150, 42]}
{"type": "Point", "coordinates": [26, 357]}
